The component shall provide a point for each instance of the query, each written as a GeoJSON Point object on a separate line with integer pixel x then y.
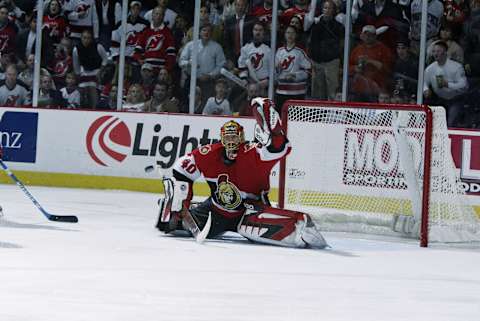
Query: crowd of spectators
{"type": "Point", "coordinates": [81, 48]}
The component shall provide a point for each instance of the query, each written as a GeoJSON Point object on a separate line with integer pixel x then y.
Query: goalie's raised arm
{"type": "Point", "coordinates": [268, 129]}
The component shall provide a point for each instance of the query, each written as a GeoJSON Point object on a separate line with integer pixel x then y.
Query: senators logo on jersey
{"type": "Point", "coordinates": [227, 194]}
{"type": "Point", "coordinates": [205, 149]}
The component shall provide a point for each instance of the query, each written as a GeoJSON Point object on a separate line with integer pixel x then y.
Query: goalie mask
{"type": "Point", "coordinates": [231, 136]}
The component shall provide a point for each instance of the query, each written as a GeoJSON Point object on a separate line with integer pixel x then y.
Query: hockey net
{"type": "Point", "coordinates": [375, 169]}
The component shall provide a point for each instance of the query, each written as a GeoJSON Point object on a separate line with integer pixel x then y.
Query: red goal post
{"type": "Point", "coordinates": [386, 151]}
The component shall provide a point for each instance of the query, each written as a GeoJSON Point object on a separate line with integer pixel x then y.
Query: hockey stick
{"type": "Point", "coordinates": [51, 217]}
{"type": "Point", "coordinates": [232, 77]}
{"type": "Point", "coordinates": [190, 223]}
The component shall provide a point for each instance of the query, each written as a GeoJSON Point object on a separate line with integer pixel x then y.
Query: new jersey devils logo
{"type": "Point", "coordinates": [3, 42]}
{"type": "Point", "coordinates": [154, 43]}
{"type": "Point", "coordinates": [256, 60]}
{"type": "Point", "coordinates": [82, 7]}
{"type": "Point", "coordinates": [286, 63]}
{"type": "Point", "coordinates": [227, 193]}
{"type": "Point", "coordinates": [131, 38]}
{"type": "Point", "coordinates": [108, 138]}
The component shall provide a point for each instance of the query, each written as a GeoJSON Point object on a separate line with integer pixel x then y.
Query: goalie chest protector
{"type": "Point", "coordinates": [231, 184]}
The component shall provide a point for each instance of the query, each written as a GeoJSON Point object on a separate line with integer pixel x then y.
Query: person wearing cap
{"type": "Point", "coordinates": [148, 78]}
{"type": "Point", "coordinates": [370, 64]}
{"type": "Point", "coordinates": [405, 70]}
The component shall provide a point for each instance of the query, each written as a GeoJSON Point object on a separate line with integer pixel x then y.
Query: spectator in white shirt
{"type": "Point", "coordinates": [445, 83]}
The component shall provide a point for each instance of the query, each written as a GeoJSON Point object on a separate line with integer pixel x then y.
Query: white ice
{"type": "Point", "coordinates": [114, 266]}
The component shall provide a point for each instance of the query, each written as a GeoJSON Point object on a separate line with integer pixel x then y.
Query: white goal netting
{"type": "Point", "coordinates": [362, 170]}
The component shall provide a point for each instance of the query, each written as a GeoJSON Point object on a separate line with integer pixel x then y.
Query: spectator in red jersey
{"type": "Point", "coordinates": [8, 32]}
{"type": "Point", "coordinates": [263, 13]}
{"type": "Point", "coordinates": [371, 65]}
{"type": "Point", "coordinates": [62, 61]}
{"type": "Point", "coordinates": [300, 8]}
{"type": "Point", "coordinates": [156, 44]}
{"type": "Point", "coordinates": [455, 13]}
{"type": "Point", "coordinates": [55, 22]}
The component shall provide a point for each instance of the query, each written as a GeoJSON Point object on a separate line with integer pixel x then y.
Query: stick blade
{"type": "Point", "coordinates": [200, 237]}
{"type": "Point", "coordinates": [63, 218]}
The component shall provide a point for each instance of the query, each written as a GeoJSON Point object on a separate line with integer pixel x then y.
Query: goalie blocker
{"type": "Point", "coordinates": [238, 174]}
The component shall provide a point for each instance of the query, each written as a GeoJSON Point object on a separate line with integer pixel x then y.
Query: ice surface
{"type": "Point", "coordinates": [114, 266]}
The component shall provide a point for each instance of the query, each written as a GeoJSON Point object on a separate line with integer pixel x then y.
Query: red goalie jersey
{"type": "Point", "coordinates": [248, 178]}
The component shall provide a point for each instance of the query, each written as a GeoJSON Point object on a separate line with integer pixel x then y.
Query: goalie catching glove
{"type": "Point", "coordinates": [269, 126]}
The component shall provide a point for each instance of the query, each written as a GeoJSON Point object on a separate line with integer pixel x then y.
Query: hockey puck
{"type": "Point", "coordinates": [149, 169]}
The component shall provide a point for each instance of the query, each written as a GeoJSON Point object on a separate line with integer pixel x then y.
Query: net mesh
{"type": "Point", "coordinates": [358, 169]}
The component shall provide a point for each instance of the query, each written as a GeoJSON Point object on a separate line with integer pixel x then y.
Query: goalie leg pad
{"type": "Point", "coordinates": [279, 227]}
{"type": "Point", "coordinates": [177, 199]}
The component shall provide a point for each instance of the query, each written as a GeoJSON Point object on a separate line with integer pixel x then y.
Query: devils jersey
{"type": "Point", "coordinates": [259, 57]}
{"type": "Point", "coordinates": [157, 47]}
{"type": "Point", "coordinates": [262, 14]}
{"type": "Point", "coordinates": [82, 14]}
{"type": "Point", "coordinates": [288, 14]}
{"type": "Point", "coordinates": [134, 29]}
{"type": "Point", "coordinates": [292, 61]}
{"type": "Point", "coordinates": [230, 185]}
{"type": "Point", "coordinates": [8, 32]}
{"type": "Point", "coordinates": [57, 26]}
{"type": "Point", "coordinates": [13, 97]}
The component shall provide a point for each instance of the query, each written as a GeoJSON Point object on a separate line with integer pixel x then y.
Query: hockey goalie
{"type": "Point", "coordinates": [237, 173]}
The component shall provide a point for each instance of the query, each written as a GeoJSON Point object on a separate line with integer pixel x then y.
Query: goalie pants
{"type": "Point", "coordinates": [220, 223]}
